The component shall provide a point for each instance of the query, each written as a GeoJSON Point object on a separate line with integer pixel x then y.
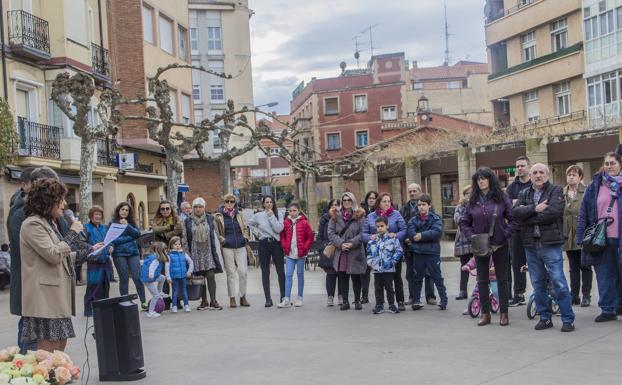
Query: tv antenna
{"type": "Point", "coordinates": [371, 37]}
{"type": "Point", "coordinates": [357, 50]}
{"type": "Point", "coordinates": [446, 63]}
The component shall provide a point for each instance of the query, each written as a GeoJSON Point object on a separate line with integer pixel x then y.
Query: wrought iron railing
{"type": "Point", "coordinates": [100, 60]}
{"type": "Point", "coordinates": [28, 30]}
{"type": "Point", "coordinates": [37, 139]}
{"type": "Point", "coordinates": [107, 152]}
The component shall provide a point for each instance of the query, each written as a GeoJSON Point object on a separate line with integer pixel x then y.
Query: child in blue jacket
{"type": "Point", "coordinates": [151, 274]}
{"type": "Point", "coordinates": [180, 267]}
{"type": "Point", "coordinates": [382, 255]}
{"type": "Point", "coordinates": [424, 233]}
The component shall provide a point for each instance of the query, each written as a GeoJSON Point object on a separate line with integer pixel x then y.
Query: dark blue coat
{"type": "Point", "coordinates": [588, 215]}
{"type": "Point", "coordinates": [125, 245]}
{"type": "Point", "coordinates": [234, 237]}
{"type": "Point", "coordinates": [431, 230]}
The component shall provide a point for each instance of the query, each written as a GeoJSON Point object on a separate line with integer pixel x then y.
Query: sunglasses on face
{"type": "Point", "coordinates": [229, 201]}
{"type": "Point", "coordinates": [165, 208]}
{"type": "Point", "coordinates": [412, 191]}
{"type": "Point", "coordinates": [346, 200]}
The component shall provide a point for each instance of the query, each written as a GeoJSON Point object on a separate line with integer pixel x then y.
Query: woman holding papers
{"type": "Point", "coordinates": [125, 255]}
{"type": "Point", "coordinates": [98, 266]}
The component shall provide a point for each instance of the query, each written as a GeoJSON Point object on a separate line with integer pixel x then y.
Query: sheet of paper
{"type": "Point", "coordinates": [114, 231]}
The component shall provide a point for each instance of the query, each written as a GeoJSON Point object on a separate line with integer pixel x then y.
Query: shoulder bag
{"type": "Point", "coordinates": [480, 243]}
{"type": "Point", "coordinates": [595, 237]}
{"type": "Point", "coordinates": [330, 249]}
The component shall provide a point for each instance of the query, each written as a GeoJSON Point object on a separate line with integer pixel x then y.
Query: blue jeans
{"type": "Point", "coordinates": [179, 284]}
{"type": "Point", "coordinates": [290, 265]}
{"type": "Point", "coordinates": [27, 345]}
{"type": "Point", "coordinates": [431, 264]}
{"type": "Point", "coordinates": [543, 260]}
{"type": "Point", "coordinates": [608, 277]}
{"type": "Point", "coordinates": [125, 266]}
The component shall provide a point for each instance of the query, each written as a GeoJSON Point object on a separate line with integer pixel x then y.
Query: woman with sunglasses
{"type": "Point", "coordinates": [349, 261]}
{"type": "Point", "coordinates": [233, 234]}
{"type": "Point", "coordinates": [397, 229]}
{"type": "Point", "coordinates": [166, 223]}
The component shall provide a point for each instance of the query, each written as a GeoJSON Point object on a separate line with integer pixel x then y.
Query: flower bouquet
{"type": "Point", "coordinates": [36, 368]}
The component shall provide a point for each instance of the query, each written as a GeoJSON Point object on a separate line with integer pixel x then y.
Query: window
{"type": "Point", "coordinates": [76, 18]}
{"type": "Point", "coordinates": [173, 104]}
{"type": "Point", "coordinates": [619, 17]}
{"type": "Point", "coordinates": [183, 50]}
{"type": "Point", "coordinates": [217, 83]}
{"type": "Point", "coordinates": [148, 24]}
{"type": "Point", "coordinates": [331, 106]}
{"type": "Point", "coordinates": [194, 40]}
{"type": "Point", "coordinates": [275, 152]}
{"type": "Point", "coordinates": [198, 116]}
{"type": "Point", "coordinates": [522, 3]}
{"type": "Point", "coordinates": [186, 110]}
{"type": "Point", "coordinates": [594, 89]}
{"type": "Point", "coordinates": [591, 28]}
{"type": "Point", "coordinates": [196, 93]}
{"type": "Point", "coordinates": [562, 99]}
{"type": "Point", "coordinates": [532, 106]}
{"type": "Point", "coordinates": [389, 113]}
{"type": "Point", "coordinates": [559, 34]}
{"type": "Point", "coordinates": [280, 171]}
{"type": "Point", "coordinates": [417, 85]}
{"type": "Point", "coordinates": [528, 42]}
{"type": "Point", "coordinates": [610, 89]}
{"type": "Point", "coordinates": [360, 103]}
{"type": "Point", "coordinates": [166, 34]}
{"type": "Point", "coordinates": [606, 22]}
{"type": "Point", "coordinates": [453, 85]}
{"type": "Point", "coordinates": [214, 33]}
{"type": "Point", "coordinates": [333, 141]}
{"type": "Point", "coordinates": [362, 139]}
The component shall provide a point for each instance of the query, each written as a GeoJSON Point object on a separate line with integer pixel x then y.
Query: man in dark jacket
{"type": "Point", "coordinates": [540, 211]}
{"type": "Point", "coordinates": [517, 251]}
{"type": "Point", "coordinates": [409, 211]}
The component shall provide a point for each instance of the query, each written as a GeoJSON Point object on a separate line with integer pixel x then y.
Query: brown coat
{"type": "Point", "coordinates": [162, 229]}
{"type": "Point", "coordinates": [48, 286]}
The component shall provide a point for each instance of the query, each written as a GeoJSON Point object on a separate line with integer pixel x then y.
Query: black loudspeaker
{"type": "Point", "coordinates": [118, 339]}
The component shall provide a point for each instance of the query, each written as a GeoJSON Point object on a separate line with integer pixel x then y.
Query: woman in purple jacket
{"type": "Point", "coordinates": [397, 229]}
{"type": "Point", "coordinates": [477, 219]}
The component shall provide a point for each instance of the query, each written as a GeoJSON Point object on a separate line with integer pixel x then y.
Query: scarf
{"type": "Point", "coordinates": [385, 213]}
{"type": "Point", "coordinates": [423, 216]}
{"type": "Point", "coordinates": [613, 182]}
{"type": "Point", "coordinates": [201, 234]}
{"type": "Point", "coordinates": [229, 212]}
{"type": "Point", "coordinates": [347, 215]}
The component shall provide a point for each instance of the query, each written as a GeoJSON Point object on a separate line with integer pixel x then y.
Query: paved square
{"type": "Point", "coordinates": [319, 345]}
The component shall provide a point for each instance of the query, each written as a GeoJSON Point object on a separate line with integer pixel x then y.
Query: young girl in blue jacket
{"type": "Point", "coordinates": [151, 274]}
{"type": "Point", "coordinates": [179, 268]}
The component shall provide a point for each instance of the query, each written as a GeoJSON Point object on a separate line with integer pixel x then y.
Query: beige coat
{"type": "Point", "coordinates": [48, 286]}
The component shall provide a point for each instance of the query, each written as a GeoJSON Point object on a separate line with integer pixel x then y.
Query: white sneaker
{"type": "Point", "coordinates": [285, 303]}
{"type": "Point", "coordinates": [330, 301]}
{"type": "Point", "coordinates": [153, 314]}
{"type": "Point", "coordinates": [340, 300]}
{"type": "Point", "coordinates": [187, 308]}
{"type": "Point", "coordinates": [298, 302]}
{"type": "Point", "coordinates": [173, 309]}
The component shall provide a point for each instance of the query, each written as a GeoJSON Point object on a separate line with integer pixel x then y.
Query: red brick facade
{"type": "Point", "coordinates": [204, 181]}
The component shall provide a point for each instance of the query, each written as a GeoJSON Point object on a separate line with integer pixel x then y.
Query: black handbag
{"type": "Point", "coordinates": [480, 243]}
{"type": "Point", "coordinates": [595, 237]}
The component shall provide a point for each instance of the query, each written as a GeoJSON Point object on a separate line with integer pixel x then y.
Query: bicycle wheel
{"type": "Point", "coordinates": [474, 307]}
{"type": "Point", "coordinates": [532, 310]}
{"type": "Point", "coordinates": [494, 304]}
{"type": "Point", "coordinates": [553, 306]}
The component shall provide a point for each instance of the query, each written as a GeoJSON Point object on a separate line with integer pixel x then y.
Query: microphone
{"type": "Point", "coordinates": [70, 217]}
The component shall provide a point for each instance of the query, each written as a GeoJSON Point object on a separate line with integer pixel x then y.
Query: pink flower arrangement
{"type": "Point", "coordinates": [37, 367]}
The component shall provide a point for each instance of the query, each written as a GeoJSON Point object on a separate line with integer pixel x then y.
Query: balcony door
{"type": "Point", "coordinates": [21, 5]}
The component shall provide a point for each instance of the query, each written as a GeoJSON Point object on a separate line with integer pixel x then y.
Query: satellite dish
{"type": "Point", "coordinates": [357, 55]}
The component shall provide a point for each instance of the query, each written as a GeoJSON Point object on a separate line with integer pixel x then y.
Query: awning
{"type": "Point", "coordinates": [182, 187]}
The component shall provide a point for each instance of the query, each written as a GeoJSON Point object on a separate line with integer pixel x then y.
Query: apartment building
{"type": "Point", "coordinates": [459, 90]}
{"type": "Point", "coordinates": [147, 35]}
{"type": "Point", "coordinates": [535, 55]}
{"type": "Point", "coordinates": [41, 40]}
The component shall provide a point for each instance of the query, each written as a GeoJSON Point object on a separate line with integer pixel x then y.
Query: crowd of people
{"type": "Point", "coordinates": [502, 234]}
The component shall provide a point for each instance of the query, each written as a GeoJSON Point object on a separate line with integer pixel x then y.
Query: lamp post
{"type": "Point", "coordinates": [271, 104]}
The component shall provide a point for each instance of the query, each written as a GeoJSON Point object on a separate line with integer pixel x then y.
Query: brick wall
{"type": "Point", "coordinates": [203, 178]}
{"type": "Point", "coordinates": [127, 59]}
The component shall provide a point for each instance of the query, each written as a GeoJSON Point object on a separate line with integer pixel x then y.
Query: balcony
{"type": "Point", "coordinates": [38, 140]}
{"type": "Point", "coordinates": [107, 152]}
{"type": "Point", "coordinates": [100, 62]}
{"type": "Point", "coordinates": [29, 35]}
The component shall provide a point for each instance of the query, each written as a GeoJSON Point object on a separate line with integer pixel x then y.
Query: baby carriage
{"type": "Point", "coordinates": [474, 306]}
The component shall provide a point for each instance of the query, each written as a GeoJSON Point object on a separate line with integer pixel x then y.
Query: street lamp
{"type": "Point", "coordinates": [271, 104]}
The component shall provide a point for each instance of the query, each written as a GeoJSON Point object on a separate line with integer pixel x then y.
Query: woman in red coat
{"type": "Point", "coordinates": [296, 240]}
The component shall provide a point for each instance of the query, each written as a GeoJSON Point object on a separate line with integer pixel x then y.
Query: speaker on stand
{"type": "Point", "coordinates": [118, 339]}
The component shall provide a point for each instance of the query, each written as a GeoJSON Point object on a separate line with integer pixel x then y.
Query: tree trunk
{"type": "Point", "coordinates": [87, 150]}
{"type": "Point", "coordinates": [225, 176]}
{"type": "Point", "coordinates": [172, 177]}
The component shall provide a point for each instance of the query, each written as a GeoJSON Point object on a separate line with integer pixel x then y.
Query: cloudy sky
{"type": "Point", "coordinates": [294, 40]}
